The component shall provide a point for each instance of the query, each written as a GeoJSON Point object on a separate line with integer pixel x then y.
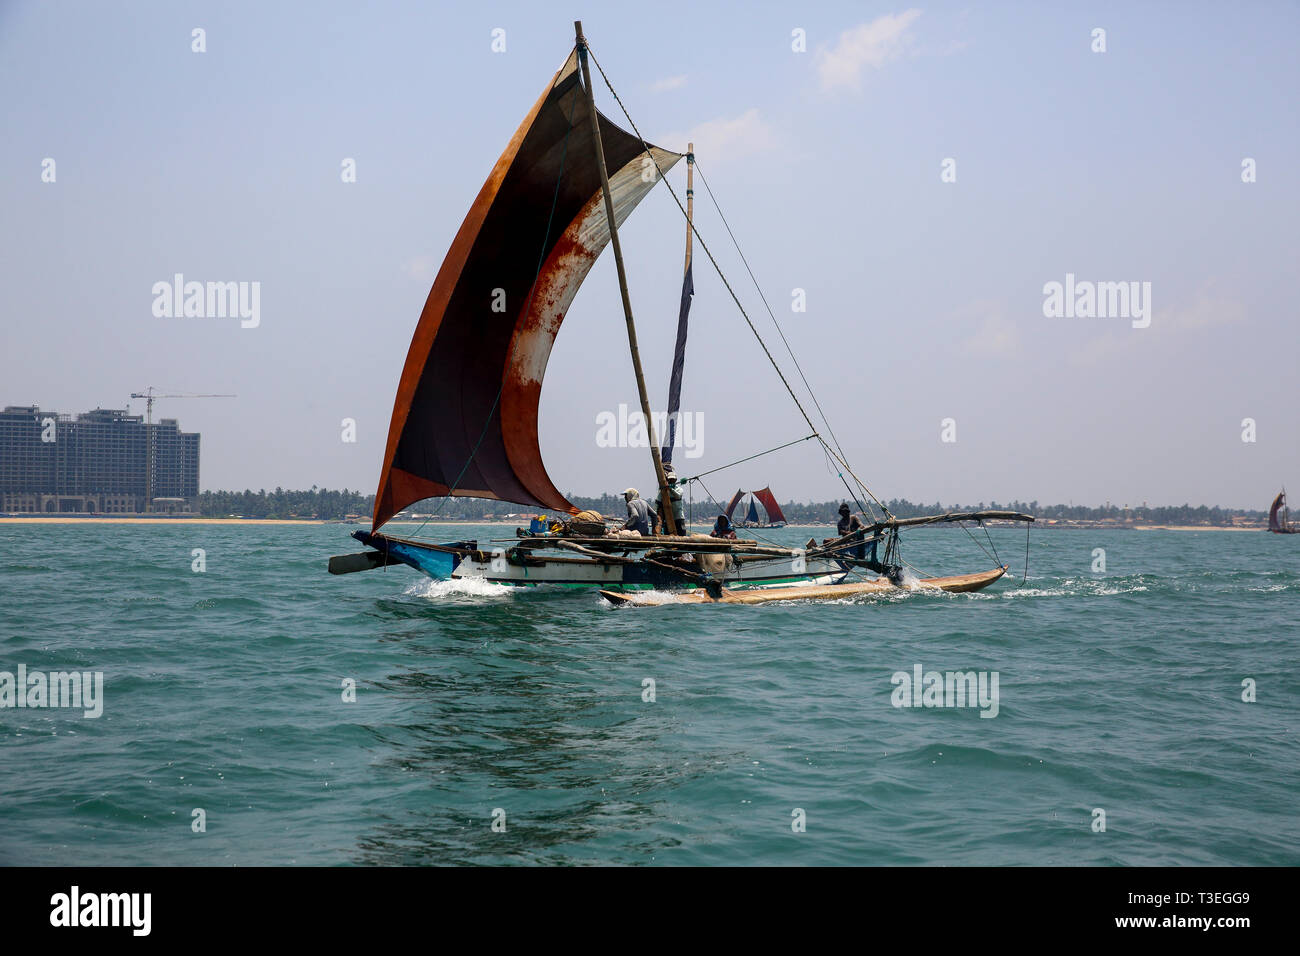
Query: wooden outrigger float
{"type": "Point", "coordinates": [465, 419]}
{"type": "Point", "coordinates": [829, 592]}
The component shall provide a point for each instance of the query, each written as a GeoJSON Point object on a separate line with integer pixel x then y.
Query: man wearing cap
{"type": "Point", "coordinates": [849, 523]}
{"type": "Point", "coordinates": [675, 499]}
{"type": "Point", "coordinates": [640, 516]}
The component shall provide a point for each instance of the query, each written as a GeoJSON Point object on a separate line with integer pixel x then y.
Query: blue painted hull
{"type": "Point", "coordinates": [433, 561]}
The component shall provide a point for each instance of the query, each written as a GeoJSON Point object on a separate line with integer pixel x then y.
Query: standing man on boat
{"type": "Point", "coordinates": [640, 516]}
{"type": "Point", "coordinates": [675, 500]}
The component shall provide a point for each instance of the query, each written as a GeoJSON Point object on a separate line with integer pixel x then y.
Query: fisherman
{"type": "Point", "coordinates": [675, 499]}
{"type": "Point", "coordinates": [722, 528]}
{"type": "Point", "coordinates": [849, 523]}
{"type": "Point", "coordinates": [640, 516]}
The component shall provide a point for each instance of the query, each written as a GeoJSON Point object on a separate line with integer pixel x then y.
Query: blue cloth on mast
{"type": "Point", "coordinates": [679, 362]}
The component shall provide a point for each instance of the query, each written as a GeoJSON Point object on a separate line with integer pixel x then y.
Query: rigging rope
{"type": "Point", "coordinates": [717, 268]}
{"type": "Point", "coordinates": [962, 525]}
{"type": "Point", "coordinates": [866, 509]}
{"type": "Point", "coordinates": [994, 555]}
{"type": "Point", "coordinates": [988, 537]}
{"type": "Point", "coordinates": [750, 458]}
{"type": "Point", "coordinates": [723, 509]}
{"type": "Point", "coordinates": [779, 331]}
{"type": "Point", "coordinates": [857, 572]}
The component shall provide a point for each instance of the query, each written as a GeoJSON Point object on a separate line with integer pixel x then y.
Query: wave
{"type": "Point", "coordinates": [1077, 587]}
{"type": "Point", "coordinates": [459, 588]}
{"type": "Point", "coordinates": [652, 598]}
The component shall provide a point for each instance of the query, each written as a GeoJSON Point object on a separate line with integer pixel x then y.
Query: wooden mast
{"type": "Point", "coordinates": [670, 525]}
{"type": "Point", "coordinates": [690, 201]}
{"type": "Point", "coordinates": [665, 498]}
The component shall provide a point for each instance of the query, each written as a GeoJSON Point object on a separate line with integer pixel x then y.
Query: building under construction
{"type": "Point", "coordinates": [101, 462]}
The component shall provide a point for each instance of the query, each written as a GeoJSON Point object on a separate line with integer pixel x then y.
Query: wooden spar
{"type": "Point", "coordinates": [650, 543]}
{"type": "Point", "coordinates": [692, 577]}
{"type": "Point", "coordinates": [665, 499]}
{"type": "Point", "coordinates": [690, 200]}
{"type": "Point", "coordinates": [600, 556]}
{"type": "Point", "coordinates": [669, 523]}
{"type": "Point", "coordinates": [950, 516]}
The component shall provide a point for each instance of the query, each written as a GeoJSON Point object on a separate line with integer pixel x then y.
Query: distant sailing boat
{"type": "Point", "coordinates": [466, 413]}
{"type": "Point", "coordinates": [774, 516]}
{"type": "Point", "coordinates": [1279, 516]}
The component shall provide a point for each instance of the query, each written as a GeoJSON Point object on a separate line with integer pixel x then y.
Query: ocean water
{"type": "Point", "coordinates": [1118, 691]}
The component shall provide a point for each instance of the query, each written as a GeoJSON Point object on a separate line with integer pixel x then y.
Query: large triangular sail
{"type": "Point", "coordinates": [764, 497]}
{"type": "Point", "coordinates": [1274, 524]}
{"type": "Point", "coordinates": [465, 417]}
{"type": "Point", "coordinates": [768, 500]}
{"type": "Point", "coordinates": [735, 500]}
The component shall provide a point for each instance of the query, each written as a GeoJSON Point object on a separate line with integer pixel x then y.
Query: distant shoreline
{"type": "Point", "coordinates": [105, 520]}
{"type": "Point", "coordinates": [24, 520]}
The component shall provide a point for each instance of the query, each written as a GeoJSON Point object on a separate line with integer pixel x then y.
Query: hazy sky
{"type": "Point", "coordinates": [925, 298]}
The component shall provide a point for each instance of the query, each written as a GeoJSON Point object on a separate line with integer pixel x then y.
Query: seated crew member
{"type": "Point", "coordinates": [640, 516]}
{"type": "Point", "coordinates": [722, 528]}
{"type": "Point", "coordinates": [849, 523]}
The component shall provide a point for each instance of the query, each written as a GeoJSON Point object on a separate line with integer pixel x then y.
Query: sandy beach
{"type": "Point", "coordinates": [1192, 527]}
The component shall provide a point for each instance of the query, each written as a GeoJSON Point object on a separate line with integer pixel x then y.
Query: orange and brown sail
{"type": "Point", "coordinates": [465, 418]}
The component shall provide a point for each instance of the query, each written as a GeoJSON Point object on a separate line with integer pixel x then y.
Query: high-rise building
{"type": "Point", "coordinates": [100, 462]}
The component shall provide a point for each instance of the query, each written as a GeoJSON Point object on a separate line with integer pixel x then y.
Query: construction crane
{"type": "Point", "coordinates": [149, 395]}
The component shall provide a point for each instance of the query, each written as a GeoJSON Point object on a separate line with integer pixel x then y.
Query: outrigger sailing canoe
{"type": "Point", "coordinates": [764, 497]}
{"type": "Point", "coordinates": [465, 417]}
{"type": "Point", "coordinates": [1279, 516]}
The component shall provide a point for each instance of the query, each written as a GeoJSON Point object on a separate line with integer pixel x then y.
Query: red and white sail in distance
{"type": "Point", "coordinates": [765, 498]}
{"type": "Point", "coordinates": [465, 418]}
{"type": "Point", "coordinates": [1278, 518]}
{"type": "Point", "coordinates": [768, 501]}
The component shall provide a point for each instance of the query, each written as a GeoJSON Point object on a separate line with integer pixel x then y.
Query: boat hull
{"type": "Point", "coordinates": [583, 573]}
{"type": "Point", "coordinates": [437, 561]}
{"type": "Point", "coordinates": [464, 561]}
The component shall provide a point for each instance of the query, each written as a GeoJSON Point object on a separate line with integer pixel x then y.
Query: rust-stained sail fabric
{"type": "Point", "coordinates": [465, 418]}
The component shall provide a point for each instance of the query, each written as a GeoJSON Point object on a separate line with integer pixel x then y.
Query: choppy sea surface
{"type": "Point", "coordinates": [772, 736]}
